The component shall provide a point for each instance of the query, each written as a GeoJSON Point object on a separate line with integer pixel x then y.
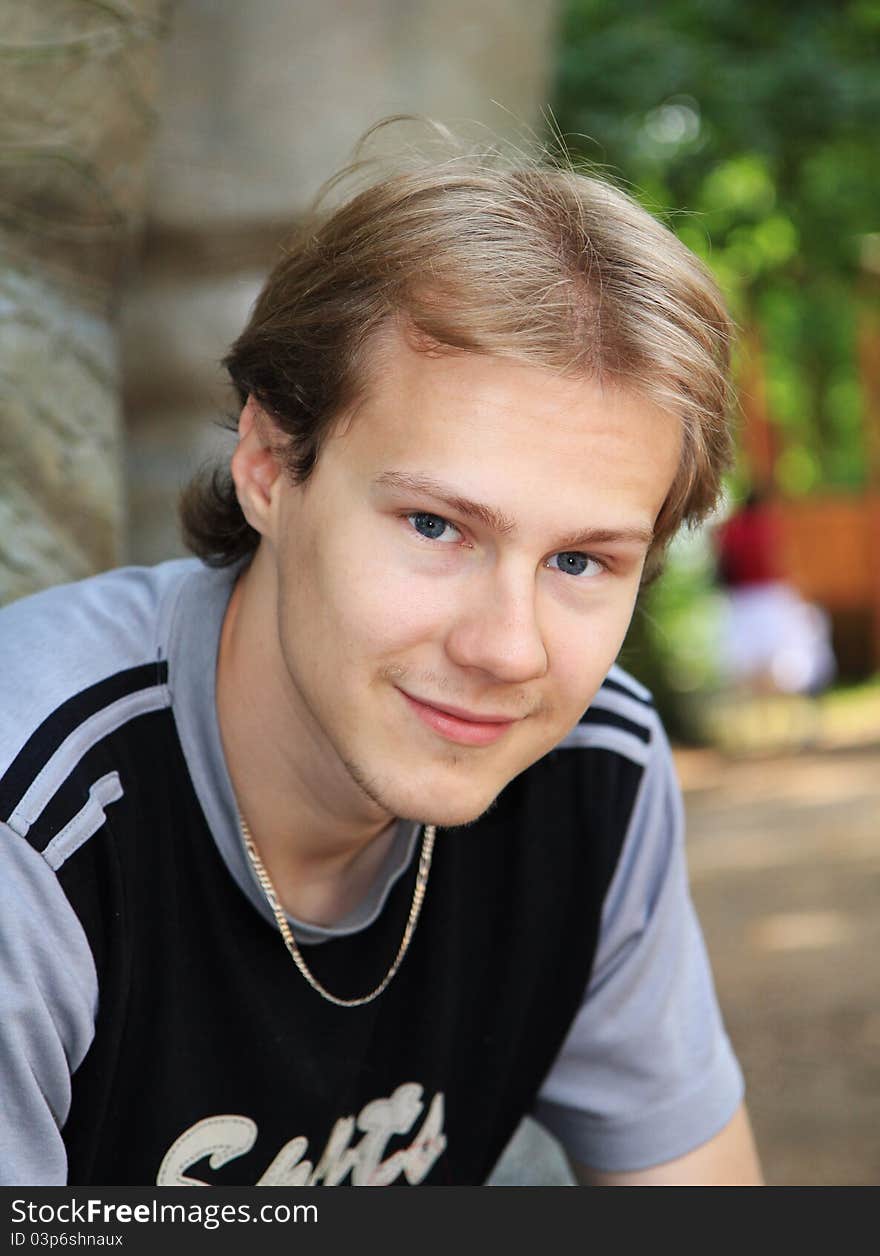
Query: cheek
{"type": "Point", "coordinates": [582, 649]}
{"type": "Point", "coordinates": [378, 609]}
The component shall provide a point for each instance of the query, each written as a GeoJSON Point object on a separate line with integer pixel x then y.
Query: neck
{"type": "Point", "coordinates": [320, 837]}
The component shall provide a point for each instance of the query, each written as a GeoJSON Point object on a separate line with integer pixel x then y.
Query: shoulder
{"type": "Point", "coordinates": [77, 658]}
{"type": "Point", "coordinates": [105, 619]}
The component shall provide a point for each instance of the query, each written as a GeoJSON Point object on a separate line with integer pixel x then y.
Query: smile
{"type": "Point", "coordinates": [463, 727]}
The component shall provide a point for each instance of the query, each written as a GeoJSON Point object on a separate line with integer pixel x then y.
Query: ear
{"type": "Point", "coordinates": [256, 467]}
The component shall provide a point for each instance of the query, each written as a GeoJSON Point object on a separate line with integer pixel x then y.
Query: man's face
{"type": "Point", "coordinates": [457, 576]}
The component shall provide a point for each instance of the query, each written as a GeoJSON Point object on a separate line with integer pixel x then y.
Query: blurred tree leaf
{"type": "Point", "coordinates": [735, 109]}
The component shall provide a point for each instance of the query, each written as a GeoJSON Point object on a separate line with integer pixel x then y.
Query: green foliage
{"type": "Point", "coordinates": [734, 108]}
{"type": "Point", "coordinates": [753, 128]}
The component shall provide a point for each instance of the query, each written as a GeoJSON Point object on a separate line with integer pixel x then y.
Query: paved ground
{"type": "Point", "coordinates": [784, 855]}
{"type": "Point", "coordinates": [785, 868]}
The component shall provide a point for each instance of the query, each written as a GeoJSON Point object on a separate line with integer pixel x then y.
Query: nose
{"type": "Point", "coordinates": [497, 630]}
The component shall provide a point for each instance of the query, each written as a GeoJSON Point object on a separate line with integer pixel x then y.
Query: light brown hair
{"type": "Point", "coordinates": [480, 253]}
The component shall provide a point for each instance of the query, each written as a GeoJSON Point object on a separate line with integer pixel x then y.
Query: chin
{"type": "Point", "coordinates": [454, 814]}
{"type": "Point", "coordinates": [447, 804]}
{"type": "Point", "coordinates": [454, 804]}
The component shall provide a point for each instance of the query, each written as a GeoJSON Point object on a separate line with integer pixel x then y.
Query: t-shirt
{"type": "Point", "coordinates": [572, 981]}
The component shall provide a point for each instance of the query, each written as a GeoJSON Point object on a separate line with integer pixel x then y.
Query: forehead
{"type": "Point", "coordinates": [554, 456]}
{"type": "Point", "coordinates": [508, 434]}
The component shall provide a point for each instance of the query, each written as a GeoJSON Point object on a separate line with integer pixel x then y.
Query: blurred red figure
{"type": "Point", "coordinates": [772, 639]}
{"type": "Point", "coordinates": [749, 544]}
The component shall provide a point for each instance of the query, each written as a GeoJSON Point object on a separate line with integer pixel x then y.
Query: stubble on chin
{"type": "Point", "coordinates": [371, 787]}
{"type": "Point", "coordinates": [379, 792]}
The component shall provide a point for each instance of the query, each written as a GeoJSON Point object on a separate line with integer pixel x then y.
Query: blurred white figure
{"type": "Point", "coordinates": [772, 640]}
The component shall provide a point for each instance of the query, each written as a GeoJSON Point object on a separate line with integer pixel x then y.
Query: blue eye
{"type": "Point", "coordinates": [432, 527]}
{"type": "Point", "coordinates": [572, 563]}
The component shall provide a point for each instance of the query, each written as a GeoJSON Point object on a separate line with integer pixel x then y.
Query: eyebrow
{"type": "Point", "coordinates": [641, 534]}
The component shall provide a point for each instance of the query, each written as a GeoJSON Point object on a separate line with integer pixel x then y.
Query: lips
{"type": "Point", "coordinates": [467, 728]}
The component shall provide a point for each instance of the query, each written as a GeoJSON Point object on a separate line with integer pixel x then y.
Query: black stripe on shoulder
{"type": "Point", "coordinates": [54, 730]}
{"type": "Point", "coordinates": [617, 687]}
{"type": "Point", "coordinates": [598, 715]}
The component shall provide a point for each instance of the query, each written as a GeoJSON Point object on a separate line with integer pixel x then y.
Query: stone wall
{"type": "Point", "coordinates": [77, 86]}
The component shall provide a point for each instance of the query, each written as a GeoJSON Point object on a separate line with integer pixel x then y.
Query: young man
{"type": "Point", "coordinates": [326, 861]}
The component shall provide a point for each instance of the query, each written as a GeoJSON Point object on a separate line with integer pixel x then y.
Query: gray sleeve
{"type": "Point", "coordinates": [48, 1002]}
{"type": "Point", "coordinates": [647, 1072]}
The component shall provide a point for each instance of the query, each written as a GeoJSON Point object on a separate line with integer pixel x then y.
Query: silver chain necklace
{"type": "Point", "coordinates": [429, 833]}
